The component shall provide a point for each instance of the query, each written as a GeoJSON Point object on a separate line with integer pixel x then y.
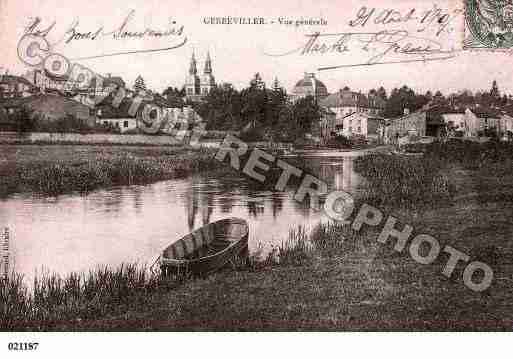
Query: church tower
{"type": "Point", "coordinates": [207, 80]}
{"type": "Point", "coordinates": [192, 82]}
{"type": "Point", "coordinates": [197, 87]}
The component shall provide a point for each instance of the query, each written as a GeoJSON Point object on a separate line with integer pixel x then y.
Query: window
{"type": "Point", "coordinates": [125, 124]}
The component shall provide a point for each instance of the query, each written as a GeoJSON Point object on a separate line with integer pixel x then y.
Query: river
{"type": "Point", "coordinates": [132, 224]}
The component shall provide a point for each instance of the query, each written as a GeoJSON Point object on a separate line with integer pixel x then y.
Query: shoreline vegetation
{"type": "Point", "coordinates": [326, 278]}
{"type": "Point", "coordinates": [55, 170]}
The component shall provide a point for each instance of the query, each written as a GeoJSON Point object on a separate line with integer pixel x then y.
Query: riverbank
{"type": "Point", "coordinates": [56, 169]}
{"type": "Point", "coordinates": [341, 281]}
{"type": "Point", "coordinates": [338, 280]}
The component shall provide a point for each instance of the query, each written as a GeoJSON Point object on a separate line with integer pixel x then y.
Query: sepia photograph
{"type": "Point", "coordinates": [258, 166]}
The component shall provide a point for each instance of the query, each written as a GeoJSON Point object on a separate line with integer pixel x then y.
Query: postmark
{"type": "Point", "coordinates": [488, 24]}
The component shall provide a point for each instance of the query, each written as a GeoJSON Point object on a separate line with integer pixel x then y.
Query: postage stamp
{"type": "Point", "coordinates": [488, 24]}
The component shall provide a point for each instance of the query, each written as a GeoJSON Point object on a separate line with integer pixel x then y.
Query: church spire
{"type": "Point", "coordinates": [208, 64]}
{"type": "Point", "coordinates": [192, 69]}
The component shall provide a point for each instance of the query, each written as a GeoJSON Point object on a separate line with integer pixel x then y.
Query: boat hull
{"type": "Point", "coordinates": [177, 257]}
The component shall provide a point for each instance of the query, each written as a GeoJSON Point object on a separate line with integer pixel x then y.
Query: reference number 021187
{"type": "Point", "coordinates": [23, 346]}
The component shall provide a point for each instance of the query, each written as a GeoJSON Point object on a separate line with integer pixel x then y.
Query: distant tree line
{"type": "Point", "coordinates": [405, 97]}
{"type": "Point", "coordinates": [261, 112]}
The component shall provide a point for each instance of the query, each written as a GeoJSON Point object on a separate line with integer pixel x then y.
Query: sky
{"type": "Point", "coordinates": [239, 51]}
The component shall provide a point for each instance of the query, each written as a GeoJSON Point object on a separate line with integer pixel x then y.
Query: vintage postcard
{"type": "Point", "coordinates": [255, 166]}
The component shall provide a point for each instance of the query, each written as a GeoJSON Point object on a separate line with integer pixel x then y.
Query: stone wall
{"type": "Point", "coordinates": [96, 138]}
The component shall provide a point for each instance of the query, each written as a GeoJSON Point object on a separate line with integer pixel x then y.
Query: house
{"type": "Point", "coordinates": [411, 124]}
{"type": "Point", "coordinates": [345, 102]}
{"type": "Point", "coordinates": [461, 123]}
{"type": "Point", "coordinates": [456, 123]}
{"type": "Point", "coordinates": [180, 119]}
{"type": "Point", "coordinates": [11, 112]}
{"type": "Point", "coordinates": [361, 124]}
{"type": "Point", "coordinates": [119, 117]}
{"type": "Point", "coordinates": [44, 107]}
{"type": "Point", "coordinates": [443, 119]}
{"type": "Point", "coordinates": [506, 126]}
{"type": "Point", "coordinates": [50, 107]}
{"type": "Point", "coordinates": [15, 86]}
{"type": "Point", "coordinates": [121, 124]}
{"type": "Point", "coordinates": [489, 120]}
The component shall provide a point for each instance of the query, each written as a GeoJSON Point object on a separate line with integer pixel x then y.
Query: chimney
{"type": "Point", "coordinates": [406, 111]}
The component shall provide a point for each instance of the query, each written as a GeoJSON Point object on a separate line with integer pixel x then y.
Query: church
{"type": "Point", "coordinates": [196, 86]}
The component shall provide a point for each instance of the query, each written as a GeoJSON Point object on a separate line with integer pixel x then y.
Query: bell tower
{"type": "Point", "coordinates": [207, 80]}
{"type": "Point", "coordinates": [192, 82]}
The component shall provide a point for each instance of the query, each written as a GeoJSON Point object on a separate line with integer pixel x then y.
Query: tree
{"type": "Point", "coordinates": [254, 100]}
{"type": "Point", "coordinates": [382, 93]}
{"type": "Point", "coordinates": [174, 96]}
{"type": "Point", "coordinates": [257, 82]}
{"type": "Point", "coordinates": [401, 99]}
{"type": "Point", "coordinates": [504, 100]}
{"type": "Point", "coordinates": [139, 84]}
{"type": "Point", "coordinates": [306, 112]}
{"type": "Point", "coordinates": [221, 108]}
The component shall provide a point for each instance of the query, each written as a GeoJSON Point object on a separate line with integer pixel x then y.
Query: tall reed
{"type": "Point", "coordinates": [64, 177]}
{"type": "Point", "coordinates": [395, 180]}
{"type": "Point", "coordinates": [56, 299]}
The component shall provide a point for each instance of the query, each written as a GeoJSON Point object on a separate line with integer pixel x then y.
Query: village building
{"type": "Point", "coordinates": [49, 107]}
{"type": "Point", "coordinates": [346, 102]}
{"type": "Point", "coordinates": [506, 127]}
{"type": "Point", "coordinates": [410, 124]}
{"type": "Point", "coordinates": [121, 119]}
{"type": "Point", "coordinates": [15, 86]}
{"type": "Point", "coordinates": [12, 111]}
{"type": "Point", "coordinates": [361, 124]}
{"type": "Point", "coordinates": [309, 86]}
{"type": "Point", "coordinates": [488, 121]}
{"type": "Point", "coordinates": [461, 123]}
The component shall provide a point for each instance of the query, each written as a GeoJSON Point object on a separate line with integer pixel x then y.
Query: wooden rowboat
{"type": "Point", "coordinates": [207, 248]}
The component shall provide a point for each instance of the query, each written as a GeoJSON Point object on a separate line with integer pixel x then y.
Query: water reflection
{"type": "Point", "coordinates": [133, 224]}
